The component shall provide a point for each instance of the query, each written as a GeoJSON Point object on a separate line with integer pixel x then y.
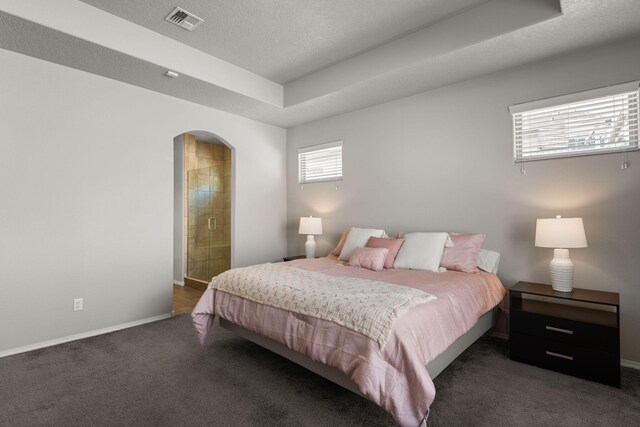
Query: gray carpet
{"type": "Point", "coordinates": [158, 375]}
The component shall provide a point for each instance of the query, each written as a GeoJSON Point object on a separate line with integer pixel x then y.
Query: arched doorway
{"type": "Point", "coordinates": [203, 207]}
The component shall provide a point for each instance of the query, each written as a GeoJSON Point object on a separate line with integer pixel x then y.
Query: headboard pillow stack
{"type": "Point", "coordinates": [459, 251]}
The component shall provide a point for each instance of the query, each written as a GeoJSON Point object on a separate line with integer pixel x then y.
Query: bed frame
{"type": "Point", "coordinates": [434, 367]}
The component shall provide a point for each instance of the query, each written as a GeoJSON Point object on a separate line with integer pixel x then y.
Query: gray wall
{"type": "Point", "coordinates": [442, 160]}
{"type": "Point", "coordinates": [86, 198]}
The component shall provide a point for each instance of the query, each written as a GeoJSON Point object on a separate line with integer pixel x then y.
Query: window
{"type": "Point", "coordinates": [320, 163]}
{"type": "Point", "coordinates": [598, 121]}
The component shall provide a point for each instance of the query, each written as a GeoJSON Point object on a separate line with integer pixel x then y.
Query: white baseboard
{"type": "Point", "coordinates": [82, 335]}
{"type": "Point", "coordinates": [630, 364]}
{"type": "Point", "coordinates": [178, 282]}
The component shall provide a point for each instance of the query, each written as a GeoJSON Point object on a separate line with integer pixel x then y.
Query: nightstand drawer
{"type": "Point", "coordinates": [567, 331]}
{"type": "Point", "coordinates": [571, 359]}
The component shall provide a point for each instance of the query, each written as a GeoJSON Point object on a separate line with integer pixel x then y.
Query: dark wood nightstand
{"type": "Point", "coordinates": [577, 339]}
{"type": "Point", "coordinates": [291, 258]}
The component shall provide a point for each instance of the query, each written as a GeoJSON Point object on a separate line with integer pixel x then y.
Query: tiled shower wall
{"type": "Point", "coordinates": [207, 193]}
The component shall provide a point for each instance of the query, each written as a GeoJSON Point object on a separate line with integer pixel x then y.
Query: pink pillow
{"type": "Point", "coordinates": [463, 256]}
{"type": "Point", "coordinates": [392, 244]}
{"type": "Point", "coordinates": [369, 258]}
{"type": "Point", "coordinates": [343, 239]}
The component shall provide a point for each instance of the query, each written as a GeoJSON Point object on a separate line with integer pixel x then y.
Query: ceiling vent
{"type": "Point", "coordinates": [184, 19]}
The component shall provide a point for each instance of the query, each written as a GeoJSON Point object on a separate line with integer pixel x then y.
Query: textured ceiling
{"type": "Point", "coordinates": [285, 39]}
{"type": "Point", "coordinates": [431, 57]}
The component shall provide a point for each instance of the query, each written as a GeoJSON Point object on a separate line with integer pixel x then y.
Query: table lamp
{"type": "Point", "coordinates": [561, 234]}
{"type": "Point", "coordinates": [310, 226]}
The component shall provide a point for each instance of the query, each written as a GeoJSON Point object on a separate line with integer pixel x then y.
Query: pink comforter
{"type": "Point", "coordinates": [395, 377]}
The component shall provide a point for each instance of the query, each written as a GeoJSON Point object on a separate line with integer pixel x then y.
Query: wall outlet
{"type": "Point", "coordinates": [77, 304]}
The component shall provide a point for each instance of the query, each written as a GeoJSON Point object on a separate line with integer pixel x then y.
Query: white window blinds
{"type": "Point", "coordinates": [598, 121]}
{"type": "Point", "coordinates": [320, 163]}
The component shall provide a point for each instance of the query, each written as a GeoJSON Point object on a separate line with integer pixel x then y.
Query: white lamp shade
{"type": "Point", "coordinates": [310, 225]}
{"type": "Point", "coordinates": [560, 232]}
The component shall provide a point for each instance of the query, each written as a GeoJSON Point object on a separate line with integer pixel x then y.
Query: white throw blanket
{"type": "Point", "coordinates": [366, 306]}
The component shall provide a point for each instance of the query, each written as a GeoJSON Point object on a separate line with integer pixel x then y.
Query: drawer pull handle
{"type": "Point", "coordinates": [561, 356]}
{"type": "Point", "coordinates": [554, 329]}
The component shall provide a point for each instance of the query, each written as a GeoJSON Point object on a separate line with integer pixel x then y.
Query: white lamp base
{"type": "Point", "coordinates": [561, 269]}
{"type": "Point", "coordinates": [310, 247]}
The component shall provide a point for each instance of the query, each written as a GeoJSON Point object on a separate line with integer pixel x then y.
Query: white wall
{"type": "Point", "coordinates": [86, 191]}
{"type": "Point", "coordinates": [178, 210]}
{"type": "Point", "coordinates": [442, 160]}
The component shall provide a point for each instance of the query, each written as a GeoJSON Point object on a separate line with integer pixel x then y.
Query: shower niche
{"type": "Point", "coordinates": [208, 208]}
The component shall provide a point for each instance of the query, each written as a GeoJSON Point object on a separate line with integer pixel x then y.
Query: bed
{"type": "Point", "coordinates": [397, 374]}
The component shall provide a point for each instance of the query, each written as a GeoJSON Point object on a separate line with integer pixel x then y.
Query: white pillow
{"type": "Point", "coordinates": [357, 238]}
{"type": "Point", "coordinates": [488, 261]}
{"type": "Point", "coordinates": [401, 234]}
{"type": "Point", "coordinates": [421, 251]}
